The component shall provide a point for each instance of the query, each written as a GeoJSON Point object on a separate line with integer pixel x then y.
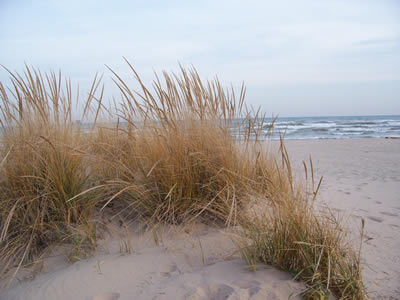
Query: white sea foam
{"type": "Point", "coordinates": [338, 127]}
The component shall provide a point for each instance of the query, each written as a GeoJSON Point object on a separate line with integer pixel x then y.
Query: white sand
{"type": "Point", "coordinates": [361, 180]}
{"type": "Point", "coordinates": [195, 263]}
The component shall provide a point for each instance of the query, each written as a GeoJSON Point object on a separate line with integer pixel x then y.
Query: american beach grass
{"type": "Point", "coordinates": [182, 151]}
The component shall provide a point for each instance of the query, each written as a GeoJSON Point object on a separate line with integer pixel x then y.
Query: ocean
{"type": "Point", "coordinates": [337, 127]}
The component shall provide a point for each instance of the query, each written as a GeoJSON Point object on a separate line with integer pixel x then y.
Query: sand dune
{"type": "Point", "coordinates": [361, 180]}
{"type": "Point", "coordinates": [190, 264]}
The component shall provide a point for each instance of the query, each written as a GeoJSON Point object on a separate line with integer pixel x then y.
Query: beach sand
{"type": "Point", "coordinates": [195, 262]}
{"type": "Point", "coordinates": [361, 180]}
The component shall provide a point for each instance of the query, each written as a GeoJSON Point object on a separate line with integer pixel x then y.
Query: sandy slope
{"type": "Point", "coordinates": [190, 264]}
{"type": "Point", "coordinates": [362, 180]}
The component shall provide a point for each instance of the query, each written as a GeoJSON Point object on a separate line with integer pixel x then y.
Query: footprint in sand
{"type": "Point", "coordinates": [253, 286]}
{"type": "Point", "coordinates": [376, 219]}
{"type": "Point", "coordinates": [107, 296]}
{"type": "Point", "coordinates": [389, 214]}
{"type": "Point", "coordinates": [213, 291]}
{"type": "Point", "coordinates": [168, 269]}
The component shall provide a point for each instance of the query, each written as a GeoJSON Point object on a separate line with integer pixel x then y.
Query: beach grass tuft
{"type": "Point", "coordinates": [43, 167]}
{"type": "Point", "coordinates": [176, 159]}
{"type": "Point", "coordinates": [287, 231]}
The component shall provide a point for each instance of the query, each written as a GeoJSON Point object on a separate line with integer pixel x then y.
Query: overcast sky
{"type": "Point", "coordinates": [297, 58]}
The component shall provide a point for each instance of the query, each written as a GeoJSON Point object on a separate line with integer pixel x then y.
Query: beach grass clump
{"type": "Point", "coordinates": [44, 173]}
{"type": "Point", "coordinates": [288, 232]}
{"type": "Point", "coordinates": [173, 152]}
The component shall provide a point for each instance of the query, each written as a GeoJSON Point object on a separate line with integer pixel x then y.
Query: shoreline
{"type": "Point", "coordinates": [336, 139]}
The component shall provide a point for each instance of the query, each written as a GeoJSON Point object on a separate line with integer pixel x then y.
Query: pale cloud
{"type": "Point", "coordinates": [264, 43]}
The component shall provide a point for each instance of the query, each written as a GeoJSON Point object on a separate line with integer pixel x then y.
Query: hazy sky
{"type": "Point", "coordinates": [297, 58]}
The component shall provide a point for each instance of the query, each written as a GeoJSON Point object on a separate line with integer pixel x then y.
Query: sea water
{"type": "Point", "coordinates": [340, 127]}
